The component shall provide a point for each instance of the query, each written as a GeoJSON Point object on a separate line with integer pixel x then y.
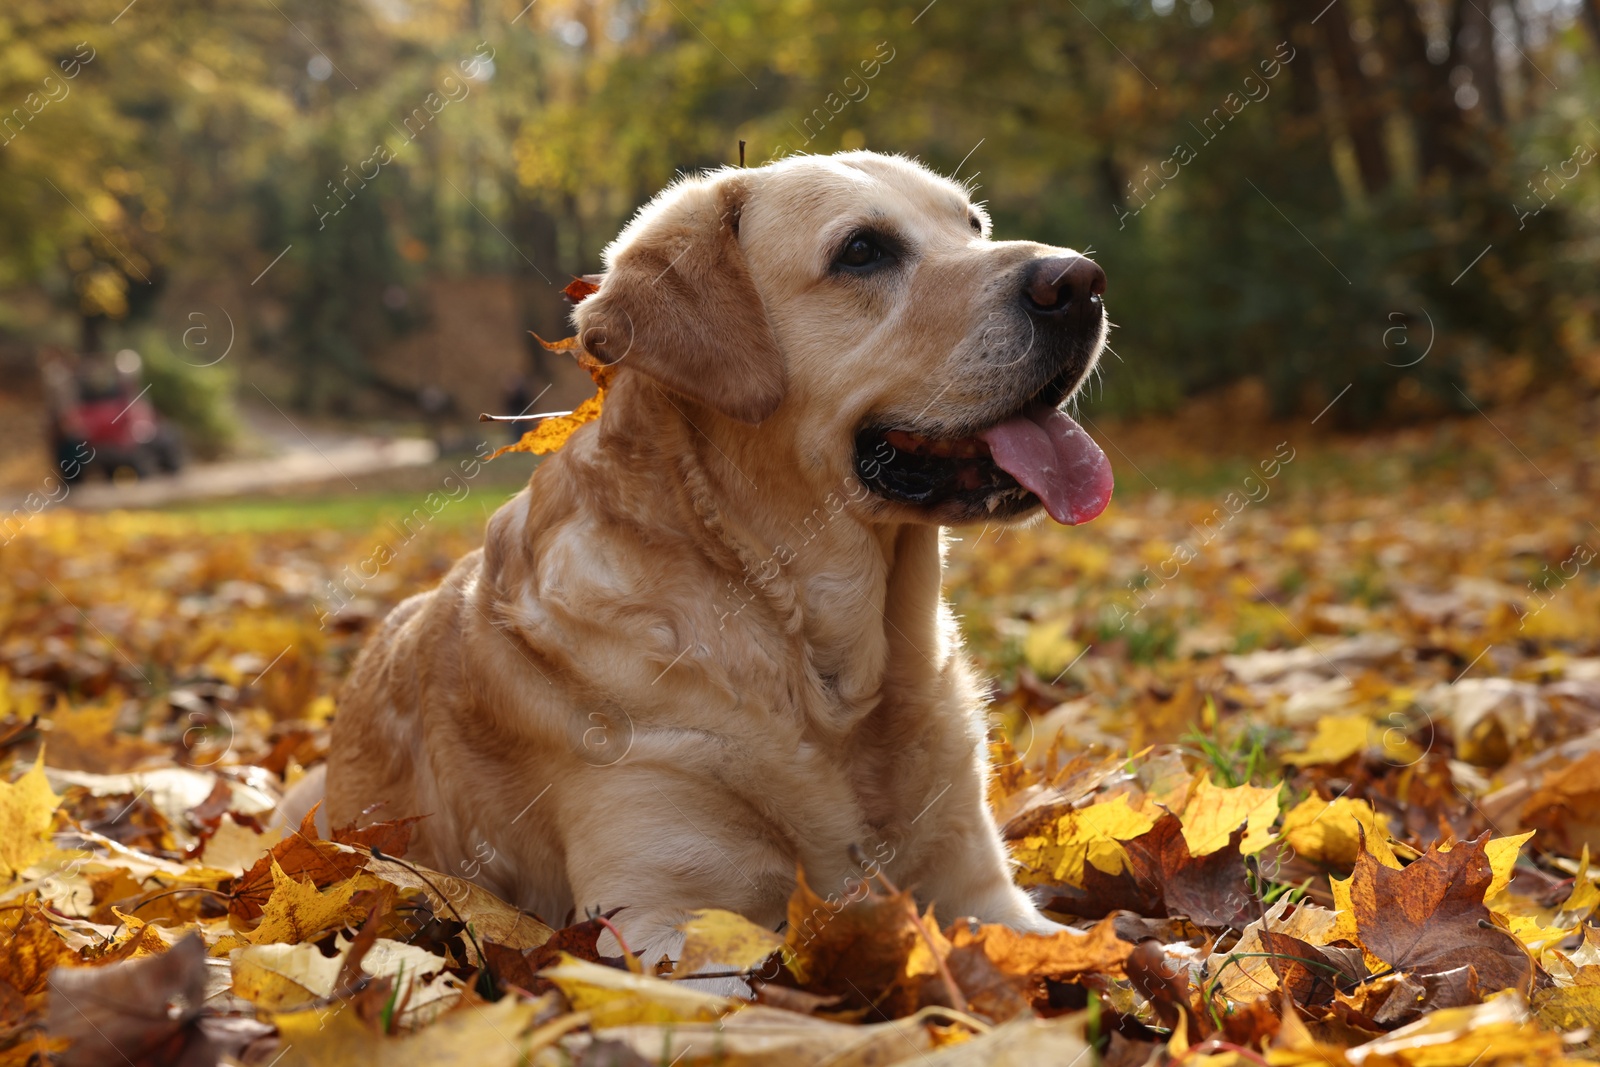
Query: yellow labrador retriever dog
{"type": "Point", "coordinates": [706, 645]}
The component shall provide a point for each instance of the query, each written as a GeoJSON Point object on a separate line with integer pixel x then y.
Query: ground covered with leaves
{"type": "Point", "coordinates": [1307, 739]}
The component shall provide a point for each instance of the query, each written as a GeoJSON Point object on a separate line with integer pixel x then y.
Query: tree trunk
{"type": "Point", "coordinates": [1443, 140]}
{"type": "Point", "coordinates": [1363, 110]}
{"type": "Point", "coordinates": [1474, 43]}
{"type": "Point", "coordinates": [543, 308]}
{"type": "Point", "coordinates": [1590, 10]}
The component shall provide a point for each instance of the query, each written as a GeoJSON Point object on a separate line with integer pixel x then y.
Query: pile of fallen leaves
{"type": "Point", "coordinates": [1316, 775]}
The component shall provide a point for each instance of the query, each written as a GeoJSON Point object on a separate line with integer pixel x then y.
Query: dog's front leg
{"type": "Point", "coordinates": [659, 845]}
{"type": "Point", "coordinates": [965, 871]}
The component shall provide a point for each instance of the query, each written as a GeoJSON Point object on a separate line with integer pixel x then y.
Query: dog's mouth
{"type": "Point", "coordinates": [1037, 455]}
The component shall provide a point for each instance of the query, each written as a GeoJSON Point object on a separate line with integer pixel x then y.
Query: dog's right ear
{"type": "Point", "coordinates": [676, 303]}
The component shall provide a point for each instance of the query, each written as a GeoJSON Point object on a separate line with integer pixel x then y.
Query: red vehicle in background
{"type": "Point", "coordinates": [102, 417]}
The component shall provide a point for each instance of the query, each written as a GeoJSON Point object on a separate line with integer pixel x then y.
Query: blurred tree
{"type": "Point", "coordinates": [1271, 186]}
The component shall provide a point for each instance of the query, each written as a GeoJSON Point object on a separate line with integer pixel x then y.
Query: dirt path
{"type": "Point", "coordinates": [296, 455]}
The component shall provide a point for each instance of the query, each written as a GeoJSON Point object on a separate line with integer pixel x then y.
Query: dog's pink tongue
{"type": "Point", "coordinates": [1053, 458]}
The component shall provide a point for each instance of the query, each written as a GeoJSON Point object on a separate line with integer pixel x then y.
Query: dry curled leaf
{"type": "Point", "coordinates": [140, 1012]}
{"type": "Point", "coordinates": [551, 433]}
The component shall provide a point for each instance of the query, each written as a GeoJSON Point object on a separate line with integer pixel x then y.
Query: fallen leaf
{"type": "Point", "coordinates": [140, 1012]}
{"type": "Point", "coordinates": [1430, 917]}
{"type": "Point", "coordinates": [1330, 831]}
{"type": "Point", "coordinates": [236, 848]}
{"type": "Point", "coordinates": [27, 811]}
{"type": "Point", "coordinates": [1311, 974]}
{"type": "Point", "coordinates": [1093, 835]}
{"type": "Point", "coordinates": [1486, 1035]}
{"type": "Point", "coordinates": [298, 911]}
{"type": "Point", "coordinates": [854, 948]}
{"type": "Point", "coordinates": [1059, 955]}
{"type": "Point", "coordinates": [1244, 973]}
{"type": "Point", "coordinates": [1162, 878]}
{"type": "Point", "coordinates": [476, 1035]}
{"type": "Point", "coordinates": [613, 997]}
{"type": "Point", "coordinates": [759, 1036]}
{"type": "Point", "coordinates": [32, 949]}
{"type": "Point", "coordinates": [302, 855]}
{"type": "Point", "coordinates": [1566, 806]}
{"type": "Point", "coordinates": [490, 918]}
{"type": "Point", "coordinates": [1338, 737]}
{"type": "Point", "coordinates": [723, 940]}
{"type": "Point", "coordinates": [1214, 813]}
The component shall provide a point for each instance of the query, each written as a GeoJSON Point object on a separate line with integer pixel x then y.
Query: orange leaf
{"type": "Point", "coordinates": [1055, 955]}
{"type": "Point", "coordinates": [553, 432]}
{"type": "Point", "coordinates": [580, 288]}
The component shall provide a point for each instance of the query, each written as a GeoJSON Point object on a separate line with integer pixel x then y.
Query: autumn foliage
{"type": "Point", "coordinates": [1330, 796]}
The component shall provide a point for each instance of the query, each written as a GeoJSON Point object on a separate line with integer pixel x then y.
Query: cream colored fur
{"type": "Point", "coordinates": [694, 654]}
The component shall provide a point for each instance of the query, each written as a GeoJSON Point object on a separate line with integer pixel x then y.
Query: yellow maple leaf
{"type": "Point", "coordinates": [136, 940]}
{"type": "Point", "coordinates": [1585, 895]}
{"type": "Point", "coordinates": [296, 912]}
{"type": "Point", "coordinates": [719, 939]}
{"type": "Point", "coordinates": [501, 1034]}
{"type": "Point", "coordinates": [27, 811]}
{"type": "Point", "coordinates": [1459, 1037]}
{"type": "Point", "coordinates": [1574, 1007]}
{"type": "Point", "coordinates": [1501, 852]}
{"type": "Point", "coordinates": [1050, 649]}
{"type": "Point", "coordinates": [619, 998]}
{"type": "Point", "coordinates": [1330, 831]}
{"type": "Point", "coordinates": [1534, 932]}
{"type": "Point", "coordinates": [928, 952]}
{"type": "Point", "coordinates": [1338, 737]}
{"type": "Point", "coordinates": [1092, 834]}
{"type": "Point", "coordinates": [1214, 812]}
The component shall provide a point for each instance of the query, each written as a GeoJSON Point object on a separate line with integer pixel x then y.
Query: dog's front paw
{"type": "Point", "coordinates": [1035, 922]}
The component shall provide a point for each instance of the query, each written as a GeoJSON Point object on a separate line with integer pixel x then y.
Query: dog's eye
{"type": "Point", "coordinates": [976, 223]}
{"type": "Point", "coordinates": [862, 250]}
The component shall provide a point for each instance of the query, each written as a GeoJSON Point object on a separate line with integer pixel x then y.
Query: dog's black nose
{"type": "Point", "coordinates": [1063, 285]}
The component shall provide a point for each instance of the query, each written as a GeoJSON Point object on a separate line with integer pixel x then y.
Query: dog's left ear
{"type": "Point", "coordinates": [677, 303]}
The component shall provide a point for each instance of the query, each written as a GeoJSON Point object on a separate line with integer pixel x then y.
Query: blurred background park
{"type": "Point", "coordinates": [311, 218]}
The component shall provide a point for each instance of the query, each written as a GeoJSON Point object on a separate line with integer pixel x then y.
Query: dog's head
{"type": "Point", "coordinates": [854, 307]}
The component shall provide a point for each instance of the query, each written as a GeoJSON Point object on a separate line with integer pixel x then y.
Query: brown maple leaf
{"type": "Point", "coordinates": [304, 855]}
{"type": "Point", "coordinates": [1161, 878]}
{"type": "Point", "coordinates": [1429, 917]}
{"type": "Point", "coordinates": [1061, 955]}
{"type": "Point", "coordinates": [1312, 973]}
{"type": "Point", "coordinates": [854, 949]}
{"type": "Point", "coordinates": [521, 967]}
